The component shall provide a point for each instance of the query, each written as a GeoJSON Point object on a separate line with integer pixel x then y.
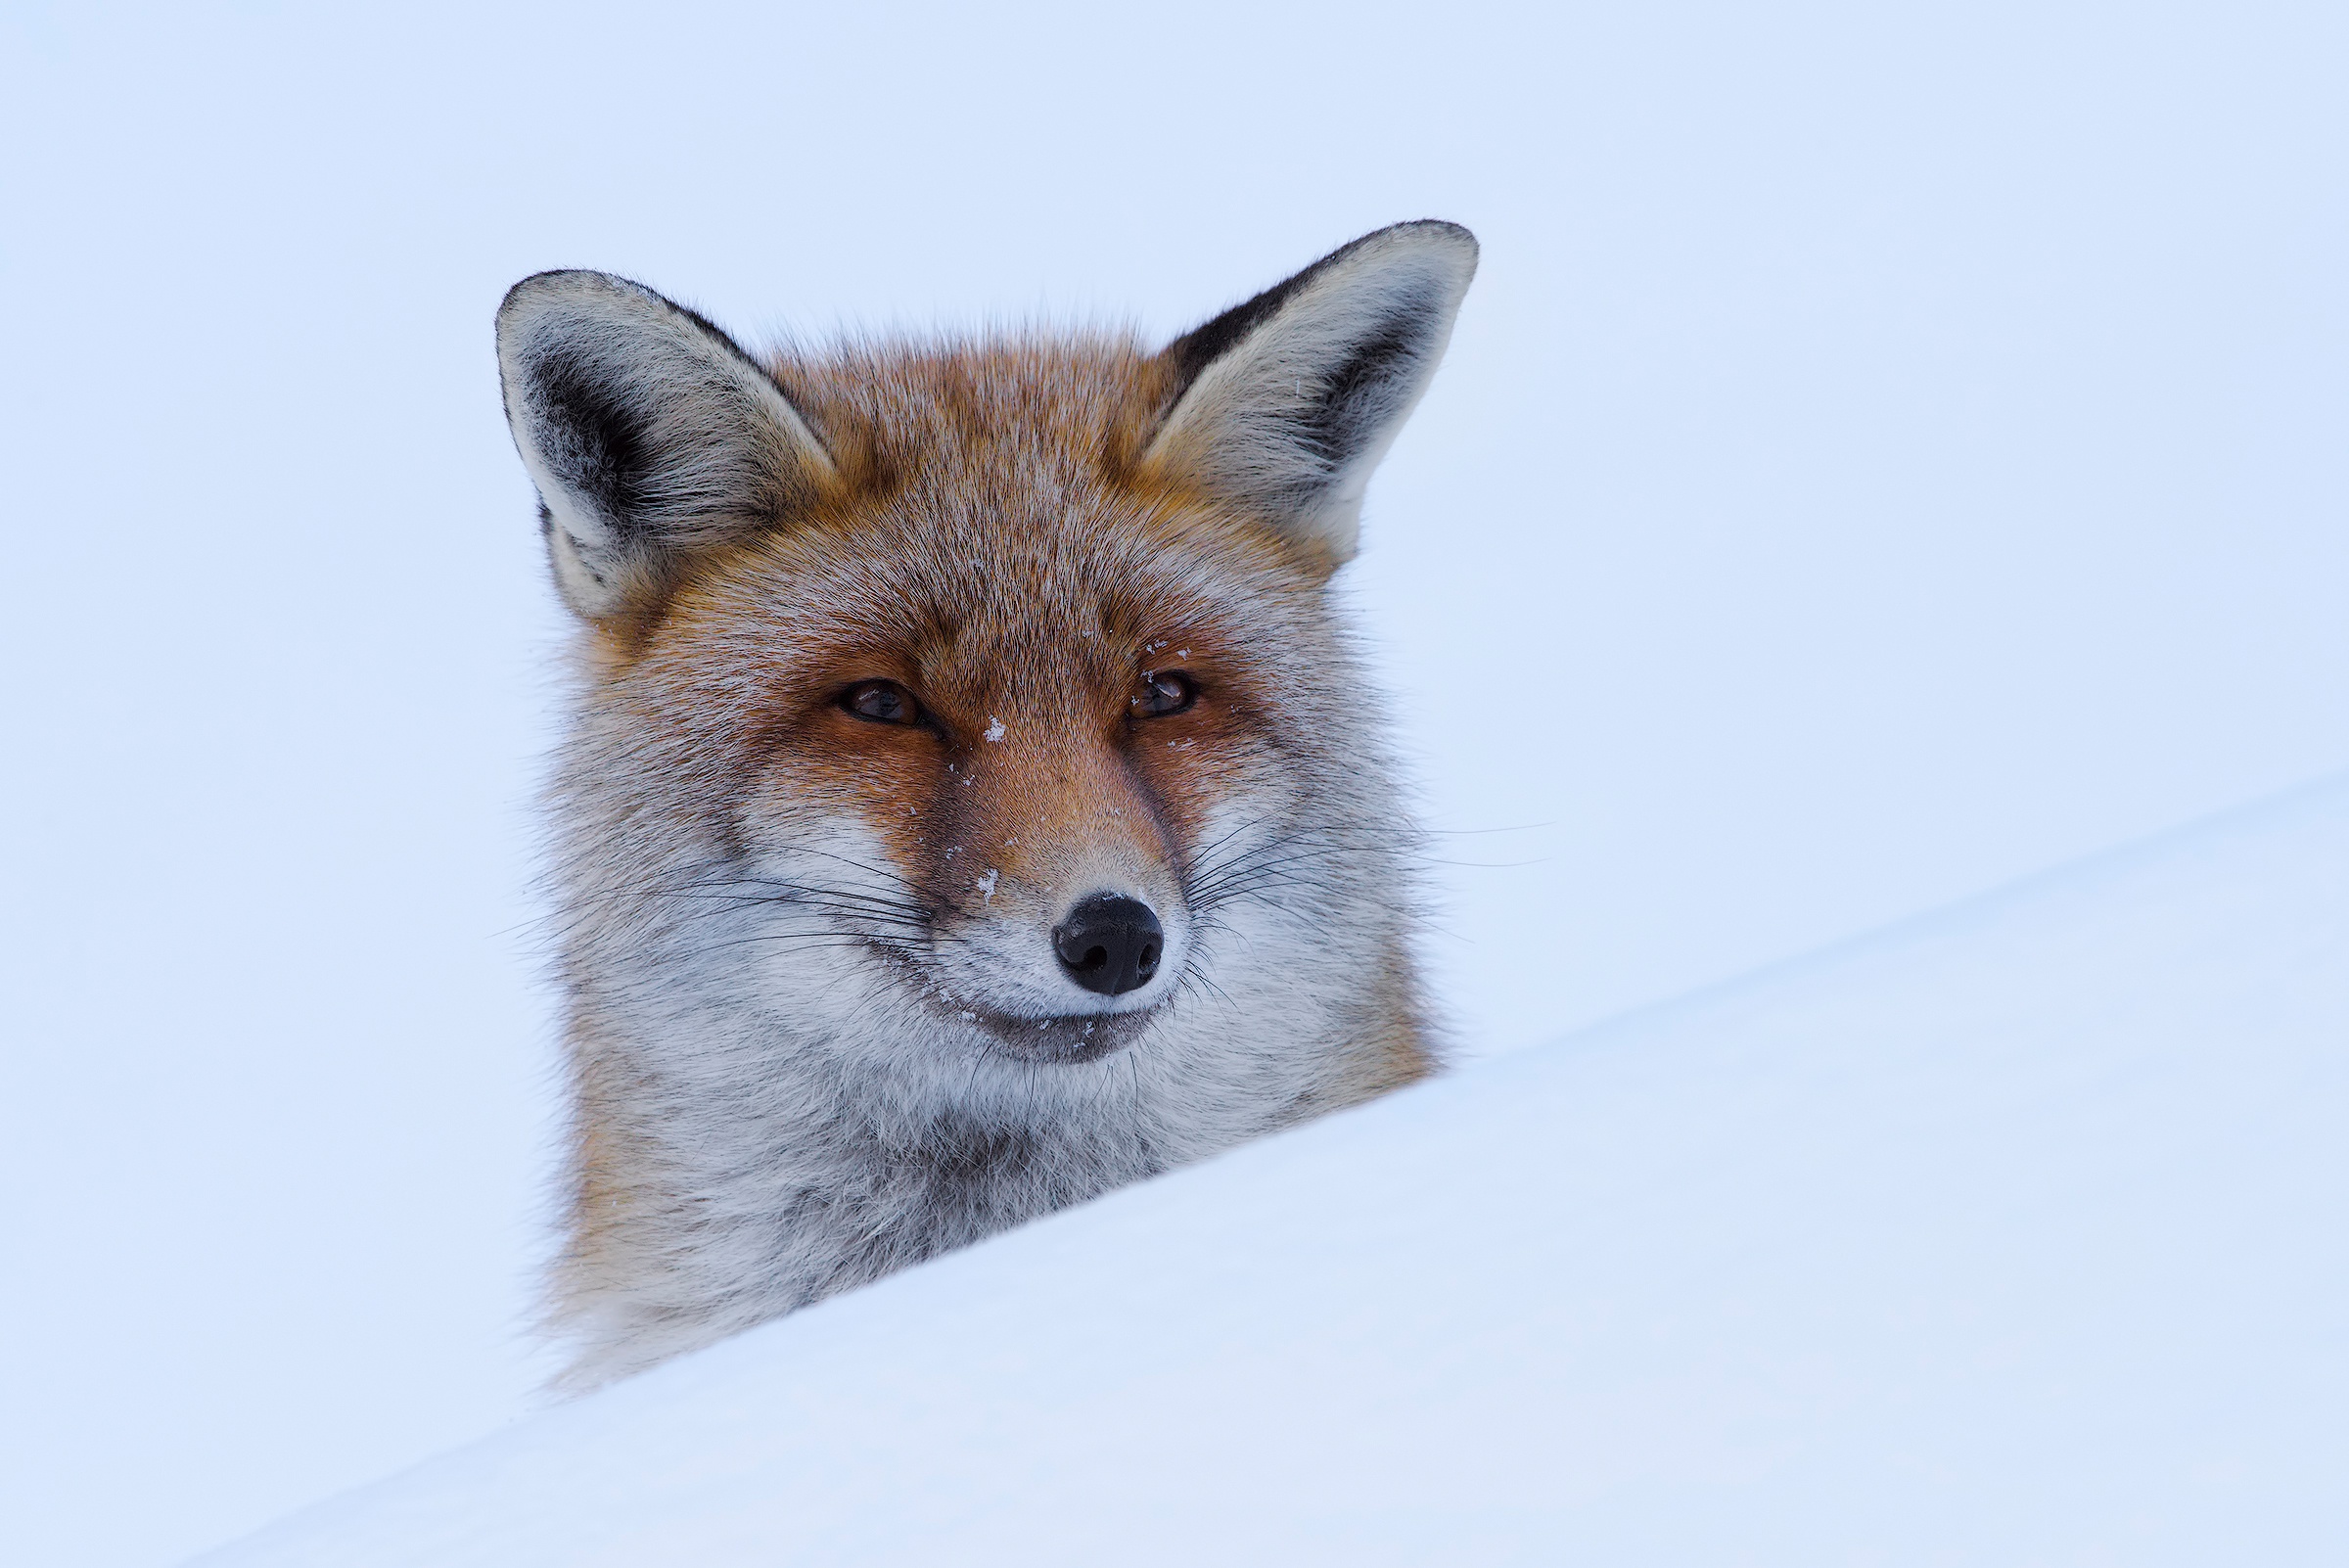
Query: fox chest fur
{"type": "Point", "coordinates": [972, 801]}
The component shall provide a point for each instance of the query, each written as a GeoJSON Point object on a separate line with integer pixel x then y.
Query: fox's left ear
{"type": "Point", "coordinates": [1287, 402]}
{"type": "Point", "coordinates": [649, 433]}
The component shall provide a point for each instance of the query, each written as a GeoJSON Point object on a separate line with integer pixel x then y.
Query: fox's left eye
{"type": "Point", "coordinates": [883, 701]}
{"type": "Point", "coordinates": [1164, 692]}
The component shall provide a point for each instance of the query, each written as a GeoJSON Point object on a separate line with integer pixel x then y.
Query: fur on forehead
{"type": "Point", "coordinates": [988, 490]}
{"type": "Point", "coordinates": [906, 414]}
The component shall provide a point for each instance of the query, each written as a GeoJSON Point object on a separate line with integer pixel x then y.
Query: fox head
{"type": "Point", "coordinates": [981, 665]}
{"type": "Point", "coordinates": [972, 801]}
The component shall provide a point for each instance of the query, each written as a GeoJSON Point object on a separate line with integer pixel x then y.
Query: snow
{"type": "Point", "coordinates": [2009, 1235]}
{"type": "Point", "coordinates": [1885, 453]}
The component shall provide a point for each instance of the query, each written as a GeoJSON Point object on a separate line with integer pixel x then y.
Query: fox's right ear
{"type": "Point", "coordinates": [1285, 404]}
{"type": "Point", "coordinates": [648, 432]}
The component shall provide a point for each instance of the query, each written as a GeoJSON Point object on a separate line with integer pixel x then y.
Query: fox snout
{"type": "Point", "coordinates": [1110, 945]}
{"type": "Point", "coordinates": [1068, 989]}
{"type": "Point", "coordinates": [1090, 946]}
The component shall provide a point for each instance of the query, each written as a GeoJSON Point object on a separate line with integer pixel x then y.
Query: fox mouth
{"type": "Point", "coordinates": [1107, 968]}
{"type": "Point", "coordinates": [1054, 1039]}
{"type": "Point", "coordinates": [1071, 1038]}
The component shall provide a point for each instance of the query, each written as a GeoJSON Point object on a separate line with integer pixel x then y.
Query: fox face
{"type": "Point", "coordinates": [996, 741]}
{"type": "Point", "coordinates": [973, 800]}
{"type": "Point", "coordinates": [1007, 787]}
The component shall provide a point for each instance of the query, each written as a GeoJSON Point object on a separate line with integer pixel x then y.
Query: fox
{"type": "Point", "coordinates": [971, 796]}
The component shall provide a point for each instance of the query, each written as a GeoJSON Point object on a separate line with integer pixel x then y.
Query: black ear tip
{"type": "Point", "coordinates": [1424, 231]}
{"type": "Point", "coordinates": [1422, 244]}
{"type": "Point", "coordinates": [576, 284]}
{"type": "Point", "coordinates": [1455, 237]}
{"type": "Point", "coordinates": [1435, 228]}
{"type": "Point", "coordinates": [539, 283]}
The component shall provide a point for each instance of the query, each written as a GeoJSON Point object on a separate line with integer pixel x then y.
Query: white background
{"type": "Point", "coordinates": [1887, 450]}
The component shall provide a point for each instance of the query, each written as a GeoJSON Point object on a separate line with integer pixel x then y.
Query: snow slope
{"type": "Point", "coordinates": [2014, 1234]}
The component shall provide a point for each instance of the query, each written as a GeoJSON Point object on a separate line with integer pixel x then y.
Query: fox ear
{"type": "Point", "coordinates": [648, 432]}
{"type": "Point", "coordinates": [1287, 402]}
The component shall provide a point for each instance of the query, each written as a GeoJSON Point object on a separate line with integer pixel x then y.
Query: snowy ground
{"type": "Point", "coordinates": [2008, 1235]}
{"type": "Point", "coordinates": [1888, 450]}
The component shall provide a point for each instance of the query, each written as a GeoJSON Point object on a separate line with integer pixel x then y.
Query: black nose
{"type": "Point", "coordinates": [1110, 945]}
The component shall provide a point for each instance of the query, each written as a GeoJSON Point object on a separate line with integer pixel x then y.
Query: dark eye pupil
{"type": "Point", "coordinates": [879, 700]}
{"type": "Point", "coordinates": [1169, 693]}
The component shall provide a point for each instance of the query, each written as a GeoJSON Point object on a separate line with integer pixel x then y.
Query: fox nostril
{"type": "Point", "coordinates": [1110, 945]}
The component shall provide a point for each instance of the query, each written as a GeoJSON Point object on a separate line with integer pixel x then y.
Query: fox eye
{"type": "Point", "coordinates": [1164, 692]}
{"type": "Point", "coordinates": [881, 701]}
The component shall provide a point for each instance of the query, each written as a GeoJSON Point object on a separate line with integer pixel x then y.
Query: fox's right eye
{"type": "Point", "coordinates": [881, 701]}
